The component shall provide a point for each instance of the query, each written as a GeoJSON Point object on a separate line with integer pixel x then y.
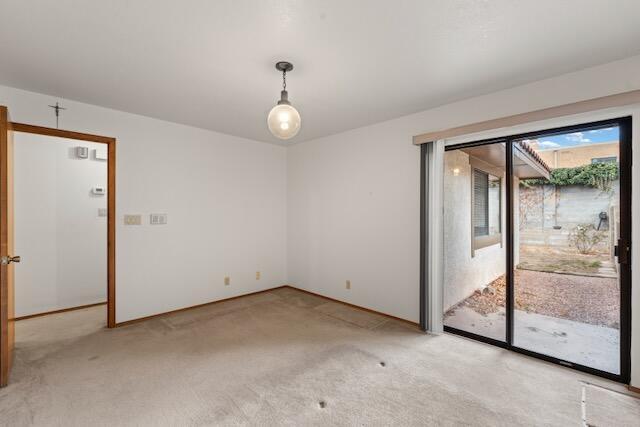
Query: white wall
{"type": "Point", "coordinates": [353, 198]}
{"type": "Point", "coordinates": [58, 231]}
{"type": "Point", "coordinates": [224, 196]}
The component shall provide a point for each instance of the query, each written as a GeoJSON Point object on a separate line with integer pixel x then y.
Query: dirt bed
{"type": "Point", "coordinates": [593, 300]}
{"type": "Point", "coordinates": [560, 260]}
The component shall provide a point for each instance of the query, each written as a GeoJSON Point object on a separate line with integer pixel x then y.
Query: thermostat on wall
{"type": "Point", "coordinates": [100, 154]}
{"type": "Point", "coordinates": [82, 152]}
{"type": "Point", "coordinates": [98, 190]}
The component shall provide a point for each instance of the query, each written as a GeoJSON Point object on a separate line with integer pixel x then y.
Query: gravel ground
{"type": "Point", "coordinates": [593, 300]}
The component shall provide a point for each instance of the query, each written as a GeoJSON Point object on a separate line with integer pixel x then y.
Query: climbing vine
{"type": "Point", "coordinates": [597, 175]}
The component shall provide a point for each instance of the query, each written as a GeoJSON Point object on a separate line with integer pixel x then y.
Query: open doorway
{"type": "Point", "coordinates": [60, 226]}
{"type": "Point", "coordinates": [537, 241]}
{"type": "Point", "coordinates": [55, 209]}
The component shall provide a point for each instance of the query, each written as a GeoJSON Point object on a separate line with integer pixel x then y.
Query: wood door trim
{"type": "Point", "coordinates": [5, 353]}
{"type": "Point", "coordinates": [61, 133]}
{"type": "Point", "coordinates": [62, 310]}
{"type": "Point", "coordinates": [111, 200]}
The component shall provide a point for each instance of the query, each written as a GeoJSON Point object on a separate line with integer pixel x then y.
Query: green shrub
{"type": "Point", "coordinates": [597, 175]}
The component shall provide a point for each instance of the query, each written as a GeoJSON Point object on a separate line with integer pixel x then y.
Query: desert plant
{"type": "Point", "coordinates": [584, 237]}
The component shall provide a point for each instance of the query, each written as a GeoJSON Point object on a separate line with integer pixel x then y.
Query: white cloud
{"type": "Point", "coordinates": [548, 144]}
{"type": "Point", "coordinates": [577, 137]}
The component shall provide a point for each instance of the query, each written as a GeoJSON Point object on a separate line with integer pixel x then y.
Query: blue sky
{"type": "Point", "coordinates": [578, 138]}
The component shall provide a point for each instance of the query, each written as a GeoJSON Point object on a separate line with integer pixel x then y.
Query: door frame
{"type": "Point", "coordinates": [6, 284]}
{"type": "Point", "coordinates": [111, 200]}
{"type": "Point", "coordinates": [625, 147]}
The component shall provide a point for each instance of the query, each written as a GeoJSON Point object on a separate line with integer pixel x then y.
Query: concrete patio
{"type": "Point", "coordinates": [577, 342]}
{"type": "Point", "coordinates": [567, 316]}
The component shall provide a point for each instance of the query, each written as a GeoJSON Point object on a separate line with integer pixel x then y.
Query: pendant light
{"type": "Point", "coordinates": [283, 119]}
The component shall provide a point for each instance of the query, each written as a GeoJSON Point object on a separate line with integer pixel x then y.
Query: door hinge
{"type": "Point", "coordinates": [6, 260]}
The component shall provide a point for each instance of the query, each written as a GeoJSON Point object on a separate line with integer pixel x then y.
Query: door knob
{"type": "Point", "coordinates": [9, 259]}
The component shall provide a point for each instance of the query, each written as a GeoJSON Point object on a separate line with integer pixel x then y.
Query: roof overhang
{"type": "Point", "coordinates": [526, 162]}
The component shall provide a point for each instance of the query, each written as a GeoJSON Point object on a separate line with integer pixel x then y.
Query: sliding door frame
{"type": "Point", "coordinates": [625, 151]}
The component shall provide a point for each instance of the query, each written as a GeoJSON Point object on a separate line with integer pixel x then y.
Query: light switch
{"type": "Point", "coordinates": [102, 211]}
{"type": "Point", "coordinates": [133, 220]}
{"type": "Point", "coordinates": [158, 219]}
{"type": "Point", "coordinates": [227, 281]}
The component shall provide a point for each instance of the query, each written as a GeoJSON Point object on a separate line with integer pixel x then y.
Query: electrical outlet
{"type": "Point", "coordinates": [348, 284]}
{"type": "Point", "coordinates": [133, 220]}
{"type": "Point", "coordinates": [227, 281]}
{"type": "Point", "coordinates": [257, 275]}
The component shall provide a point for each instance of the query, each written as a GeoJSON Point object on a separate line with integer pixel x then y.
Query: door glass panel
{"type": "Point", "coordinates": [566, 224]}
{"type": "Point", "coordinates": [474, 240]}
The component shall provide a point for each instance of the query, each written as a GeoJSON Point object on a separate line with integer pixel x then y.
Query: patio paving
{"type": "Point", "coordinates": [571, 317]}
{"type": "Point", "coordinates": [577, 342]}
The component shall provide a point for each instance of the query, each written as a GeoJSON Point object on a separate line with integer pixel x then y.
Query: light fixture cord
{"type": "Point", "coordinates": [284, 80]}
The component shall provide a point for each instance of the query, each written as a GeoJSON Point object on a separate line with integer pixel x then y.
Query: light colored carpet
{"type": "Point", "coordinates": [277, 358]}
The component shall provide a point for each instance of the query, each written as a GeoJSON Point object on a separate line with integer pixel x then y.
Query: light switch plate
{"type": "Point", "coordinates": [158, 219]}
{"type": "Point", "coordinates": [102, 211]}
{"type": "Point", "coordinates": [227, 281]}
{"type": "Point", "coordinates": [133, 220]}
{"type": "Point", "coordinates": [348, 284]}
{"type": "Point", "coordinates": [257, 275]}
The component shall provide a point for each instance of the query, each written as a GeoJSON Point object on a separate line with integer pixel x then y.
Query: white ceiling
{"type": "Point", "coordinates": [211, 63]}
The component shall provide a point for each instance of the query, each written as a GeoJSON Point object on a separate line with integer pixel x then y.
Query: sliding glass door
{"type": "Point", "coordinates": [474, 240]}
{"type": "Point", "coordinates": [536, 244]}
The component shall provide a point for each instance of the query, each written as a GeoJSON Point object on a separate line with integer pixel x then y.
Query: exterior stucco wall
{"type": "Point", "coordinates": [464, 273]}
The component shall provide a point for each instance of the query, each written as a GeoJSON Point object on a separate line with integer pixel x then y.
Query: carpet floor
{"type": "Point", "coordinates": [282, 357]}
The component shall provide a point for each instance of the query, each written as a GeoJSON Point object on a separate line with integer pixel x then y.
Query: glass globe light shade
{"type": "Point", "coordinates": [284, 121]}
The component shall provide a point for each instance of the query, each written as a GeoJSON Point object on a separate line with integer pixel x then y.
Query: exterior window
{"type": "Point", "coordinates": [486, 209]}
{"type": "Point", "coordinates": [612, 159]}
